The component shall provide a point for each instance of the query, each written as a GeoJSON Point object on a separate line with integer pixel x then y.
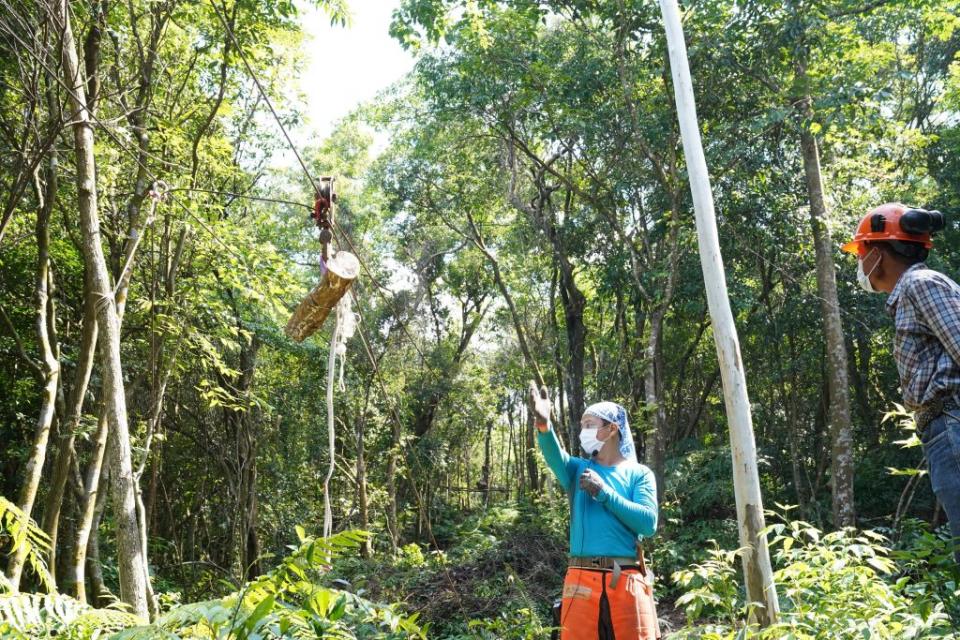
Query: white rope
{"type": "Point", "coordinates": [347, 321]}
{"type": "Point", "coordinates": [331, 367]}
{"type": "Point", "coordinates": [344, 326]}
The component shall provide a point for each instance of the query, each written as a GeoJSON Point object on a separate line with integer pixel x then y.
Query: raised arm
{"type": "Point", "coordinates": [562, 464]}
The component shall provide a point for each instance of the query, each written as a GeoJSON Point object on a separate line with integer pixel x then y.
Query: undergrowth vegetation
{"type": "Point", "coordinates": [287, 602]}
{"type": "Point", "coordinates": [501, 567]}
{"type": "Point", "coordinates": [842, 584]}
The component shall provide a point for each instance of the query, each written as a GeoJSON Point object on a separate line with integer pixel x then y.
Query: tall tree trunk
{"type": "Point", "coordinates": [653, 391]}
{"type": "Point", "coordinates": [486, 479]}
{"type": "Point", "coordinates": [69, 426]}
{"type": "Point", "coordinates": [574, 305]}
{"type": "Point", "coordinates": [49, 368]}
{"type": "Point", "coordinates": [133, 578]}
{"type": "Point", "coordinates": [363, 505]}
{"type": "Point", "coordinates": [100, 594]}
{"type": "Point", "coordinates": [841, 431]}
{"type": "Point", "coordinates": [92, 496]}
{"type": "Point", "coordinates": [860, 372]}
{"type": "Point", "coordinates": [68, 522]}
{"type": "Point", "coordinates": [392, 523]}
{"type": "Point", "coordinates": [530, 449]}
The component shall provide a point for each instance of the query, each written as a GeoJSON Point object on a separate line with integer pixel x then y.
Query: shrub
{"type": "Point", "coordinates": [288, 602]}
{"type": "Point", "coordinates": [832, 586]}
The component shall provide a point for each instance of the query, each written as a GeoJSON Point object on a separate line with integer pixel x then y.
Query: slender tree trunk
{"type": "Point", "coordinates": [860, 372]}
{"type": "Point", "coordinates": [486, 477]}
{"type": "Point", "coordinates": [757, 569]}
{"type": "Point", "coordinates": [570, 424]}
{"type": "Point", "coordinates": [574, 305]}
{"type": "Point", "coordinates": [840, 428]}
{"type": "Point", "coordinates": [530, 448]}
{"type": "Point", "coordinates": [133, 578]}
{"type": "Point", "coordinates": [653, 387]}
{"type": "Point", "coordinates": [92, 496]}
{"type": "Point", "coordinates": [65, 450]}
{"type": "Point", "coordinates": [67, 530]}
{"type": "Point", "coordinates": [363, 505]}
{"type": "Point", "coordinates": [101, 595]}
{"type": "Point", "coordinates": [511, 455]}
{"type": "Point", "coordinates": [392, 524]}
{"type": "Point", "coordinates": [49, 369]}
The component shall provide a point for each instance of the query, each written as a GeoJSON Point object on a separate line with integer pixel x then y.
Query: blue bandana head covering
{"type": "Point", "coordinates": [613, 412]}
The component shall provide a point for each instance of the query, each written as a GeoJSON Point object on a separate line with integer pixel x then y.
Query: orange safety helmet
{"type": "Point", "coordinates": [894, 221]}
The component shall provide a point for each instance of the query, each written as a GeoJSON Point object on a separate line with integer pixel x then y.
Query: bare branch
{"type": "Point", "coordinates": [12, 330]}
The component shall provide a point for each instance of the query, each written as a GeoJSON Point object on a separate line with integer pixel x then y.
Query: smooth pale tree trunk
{"type": "Point", "coordinates": [133, 578]}
{"type": "Point", "coordinates": [840, 429]}
{"type": "Point", "coordinates": [91, 492]}
{"type": "Point", "coordinates": [758, 573]}
{"type": "Point", "coordinates": [69, 427]}
{"type": "Point", "coordinates": [157, 397]}
{"type": "Point", "coordinates": [100, 594]}
{"type": "Point", "coordinates": [49, 368]}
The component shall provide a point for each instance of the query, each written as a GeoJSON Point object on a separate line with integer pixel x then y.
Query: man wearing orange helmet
{"type": "Point", "coordinates": [891, 243]}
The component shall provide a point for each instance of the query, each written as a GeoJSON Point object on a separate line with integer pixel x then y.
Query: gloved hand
{"type": "Point", "coordinates": [591, 482]}
{"type": "Point", "coordinates": [540, 404]}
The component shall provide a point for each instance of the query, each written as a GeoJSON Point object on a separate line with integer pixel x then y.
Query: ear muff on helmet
{"type": "Point", "coordinates": [919, 221]}
{"type": "Point", "coordinates": [896, 222]}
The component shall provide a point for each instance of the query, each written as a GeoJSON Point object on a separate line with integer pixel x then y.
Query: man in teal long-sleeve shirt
{"type": "Point", "coordinates": [613, 500]}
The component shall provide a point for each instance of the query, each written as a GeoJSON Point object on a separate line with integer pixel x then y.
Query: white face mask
{"type": "Point", "coordinates": [864, 278]}
{"type": "Point", "coordinates": [590, 442]}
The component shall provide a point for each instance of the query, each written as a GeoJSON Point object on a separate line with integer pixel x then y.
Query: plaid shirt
{"type": "Point", "coordinates": [925, 305]}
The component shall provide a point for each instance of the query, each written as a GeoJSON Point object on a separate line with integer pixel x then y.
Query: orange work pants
{"type": "Point", "coordinates": [592, 610]}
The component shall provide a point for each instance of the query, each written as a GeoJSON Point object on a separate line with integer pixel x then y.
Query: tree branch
{"type": "Point", "coordinates": [12, 330]}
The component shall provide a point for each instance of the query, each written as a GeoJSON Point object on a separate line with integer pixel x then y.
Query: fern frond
{"type": "Point", "coordinates": [151, 632]}
{"type": "Point", "coordinates": [95, 622]}
{"type": "Point", "coordinates": [34, 613]}
{"type": "Point", "coordinates": [209, 614]}
{"type": "Point", "coordinates": [27, 536]}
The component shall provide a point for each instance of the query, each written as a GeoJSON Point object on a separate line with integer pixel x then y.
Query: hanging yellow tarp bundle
{"type": "Point", "coordinates": [337, 272]}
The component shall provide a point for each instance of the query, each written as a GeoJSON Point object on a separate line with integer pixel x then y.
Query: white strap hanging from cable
{"type": "Point", "coordinates": [344, 326]}
{"type": "Point", "coordinates": [347, 321]}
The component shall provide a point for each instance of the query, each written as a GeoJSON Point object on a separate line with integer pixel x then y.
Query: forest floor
{"type": "Point", "coordinates": [670, 618]}
{"type": "Point", "coordinates": [494, 567]}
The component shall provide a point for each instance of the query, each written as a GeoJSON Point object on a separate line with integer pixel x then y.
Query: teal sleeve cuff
{"type": "Point", "coordinates": [603, 496]}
